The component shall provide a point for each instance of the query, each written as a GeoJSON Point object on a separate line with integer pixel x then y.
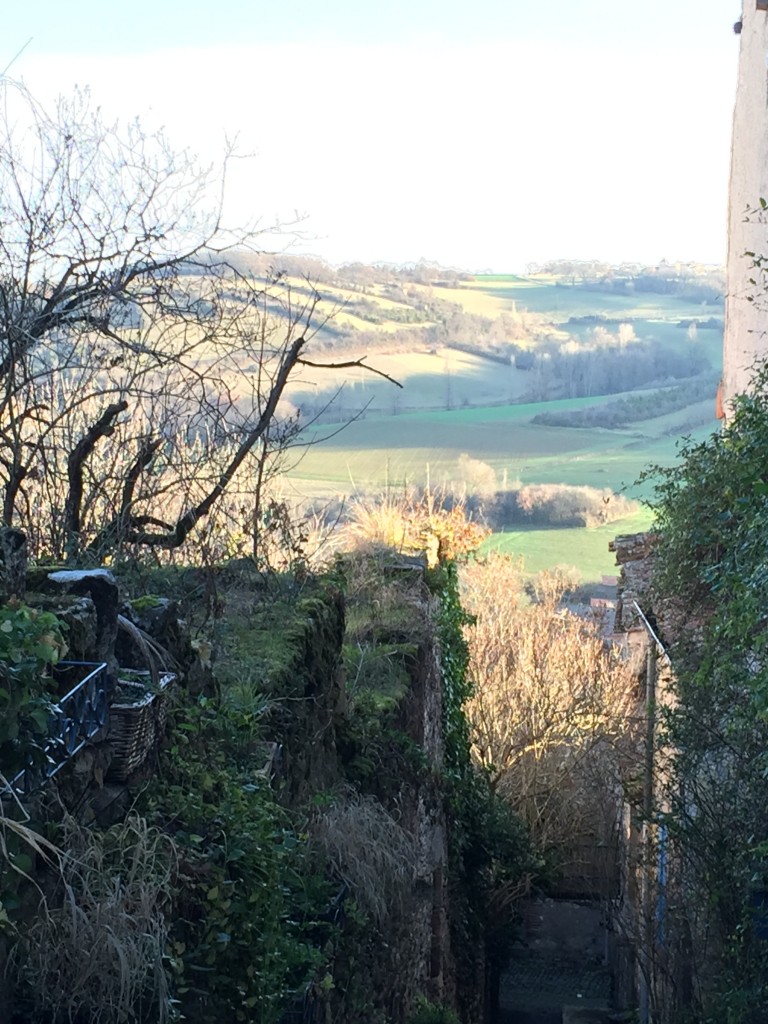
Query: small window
{"type": "Point", "coordinates": [762, 5]}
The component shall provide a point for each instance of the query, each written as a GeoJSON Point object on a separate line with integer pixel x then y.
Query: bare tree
{"type": "Point", "coordinates": [554, 713]}
{"type": "Point", "coordinates": [142, 361]}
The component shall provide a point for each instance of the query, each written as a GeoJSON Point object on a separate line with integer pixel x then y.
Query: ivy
{"type": "Point", "coordinates": [454, 661]}
{"type": "Point", "coordinates": [244, 933]}
{"type": "Point", "coordinates": [711, 569]}
{"type": "Point", "coordinates": [488, 845]}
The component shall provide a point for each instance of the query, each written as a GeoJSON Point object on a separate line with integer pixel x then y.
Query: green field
{"type": "Point", "coordinates": [418, 447]}
{"type": "Point", "coordinates": [455, 404]}
{"type": "Point", "coordinates": [582, 551]}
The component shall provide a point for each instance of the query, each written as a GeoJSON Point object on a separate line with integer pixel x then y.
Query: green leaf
{"type": "Point", "coordinates": [22, 862]}
{"type": "Point", "coordinates": [40, 718]}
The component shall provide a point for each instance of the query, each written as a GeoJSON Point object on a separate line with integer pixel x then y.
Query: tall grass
{"type": "Point", "coordinates": [368, 849]}
{"type": "Point", "coordinates": [96, 949]}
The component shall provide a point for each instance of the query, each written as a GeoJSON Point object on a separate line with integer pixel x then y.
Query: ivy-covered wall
{"type": "Point", "coordinates": [312, 832]}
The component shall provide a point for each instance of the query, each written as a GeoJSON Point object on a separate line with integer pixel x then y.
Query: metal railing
{"type": "Point", "coordinates": [652, 634]}
{"type": "Point", "coordinates": [76, 718]}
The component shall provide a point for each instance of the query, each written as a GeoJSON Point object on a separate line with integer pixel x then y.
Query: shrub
{"type": "Point", "coordinates": [237, 939]}
{"type": "Point", "coordinates": [552, 707]}
{"type": "Point", "coordinates": [558, 505]}
{"type": "Point", "coordinates": [426, 1012]}
{"type": "Point", "coordinates": [414, 521]}
{"type": "Point", "coordinates": [30, 643]}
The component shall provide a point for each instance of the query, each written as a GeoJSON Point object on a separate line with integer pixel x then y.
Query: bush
{"type": "Point", "coordinates": [426, 1012]}
{"type": "Point", "coordinates": [30, 643]}
{"type": "Point", "coordinates": [238, 940]}
{"type": "Point", "coordinates": [552, 707]}
{"type": "Point", "coordinates": [413, 521]}
{"type": "Point", "coordinates": [557, 505]}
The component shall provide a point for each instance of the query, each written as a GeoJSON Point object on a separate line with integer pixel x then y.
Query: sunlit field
{"type": "Point", "coordinates": [418, 447]}
{"type": "Point", "coordinates": [581, 551]}
{"type": "Point", "coordinates": [456, 404]}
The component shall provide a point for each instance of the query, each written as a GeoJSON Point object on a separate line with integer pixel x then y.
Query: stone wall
{"type": "Point", "coordinates": [409, 952]}
{"type": "Point", "coordinates": [746, 319]}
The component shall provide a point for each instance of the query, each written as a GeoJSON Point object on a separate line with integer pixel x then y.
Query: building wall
{"type": "Point", "coordinates": [746, 311]}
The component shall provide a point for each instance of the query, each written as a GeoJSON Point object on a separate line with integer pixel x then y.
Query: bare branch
{"type": "Point", "coordinates": [103, 427]}
{"type": "Point", "coordinates": [348, 365]}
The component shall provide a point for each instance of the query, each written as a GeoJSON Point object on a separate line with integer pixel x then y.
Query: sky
{"type": "Point", "coordinates": [486, 135]}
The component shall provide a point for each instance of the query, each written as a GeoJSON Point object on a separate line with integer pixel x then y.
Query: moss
{"type": "Point", "coordinates": [143, 604]}
{"type": "Point", "coordinates": [285, 644]}
{"type": "Point", "coordinates": [383, 670]}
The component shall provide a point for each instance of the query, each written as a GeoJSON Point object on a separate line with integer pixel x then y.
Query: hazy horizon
{"type": "Point", "coordinates": [489, 139]}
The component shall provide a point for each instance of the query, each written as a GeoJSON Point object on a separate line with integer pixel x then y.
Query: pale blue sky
{"type": "Point", "coordinates": [483, 134]}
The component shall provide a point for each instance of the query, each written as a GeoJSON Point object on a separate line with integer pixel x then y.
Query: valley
{"type": "Point", "coordinates": [485, 364]}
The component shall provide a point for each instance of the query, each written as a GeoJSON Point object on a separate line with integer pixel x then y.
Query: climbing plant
{"type": "Point", "coordinates": [711, 579]}
{"type": "Point", "coordinates": [491, 856]}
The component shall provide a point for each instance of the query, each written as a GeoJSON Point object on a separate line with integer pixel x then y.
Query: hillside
{"type": "Point", "coordinates": [577, 374]}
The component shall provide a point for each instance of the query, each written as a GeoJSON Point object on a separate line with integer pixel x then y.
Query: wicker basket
{"type": "Point", "coordinates": [136, 725]}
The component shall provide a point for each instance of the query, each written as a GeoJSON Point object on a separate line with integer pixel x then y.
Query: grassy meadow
{"type": "Point", "coordinates": [583, 551]}
{"type": "Point", "coordinates": [442, 378]}
{"type": "Point", "coordinates": [455, 404]}
{"type": "Point", "coordinates": [546, 295]}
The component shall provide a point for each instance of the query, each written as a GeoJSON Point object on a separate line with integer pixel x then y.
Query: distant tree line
{"type": "Point", "coordinates": [608, 359]}
{"type": "Point", "coordinates": [689, 281]}
{"type": "Point", "coordinates": [634, 408]}
{"type": "Point", "coordinates": [605, 364]}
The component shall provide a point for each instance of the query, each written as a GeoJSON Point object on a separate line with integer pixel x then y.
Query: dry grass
{"type": "Point", "coordinates": [95, 950]}
{"type": "Point", "coordinates": [413, 520]}
{"type": "Point", "coordinates": [368, 849]}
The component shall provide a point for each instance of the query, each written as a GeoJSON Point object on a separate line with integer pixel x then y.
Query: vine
{"type": "Point", "coordinates": [488, 845]}
{"type": "Point", "coordinates": [711, 570]}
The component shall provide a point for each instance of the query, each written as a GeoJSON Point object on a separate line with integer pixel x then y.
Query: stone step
{"type": "Point", "coordinates": [585, 1015]}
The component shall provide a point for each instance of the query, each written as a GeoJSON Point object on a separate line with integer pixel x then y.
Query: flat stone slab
{"type": "Point", "coordinates": [80, 575]}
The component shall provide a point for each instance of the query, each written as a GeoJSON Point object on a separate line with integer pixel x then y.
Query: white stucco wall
{"type": "Point", "coordinates": [746, 308]}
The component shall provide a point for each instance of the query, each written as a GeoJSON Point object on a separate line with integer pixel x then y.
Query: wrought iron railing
{"type": "Point", "coordinates": [77, 717]}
